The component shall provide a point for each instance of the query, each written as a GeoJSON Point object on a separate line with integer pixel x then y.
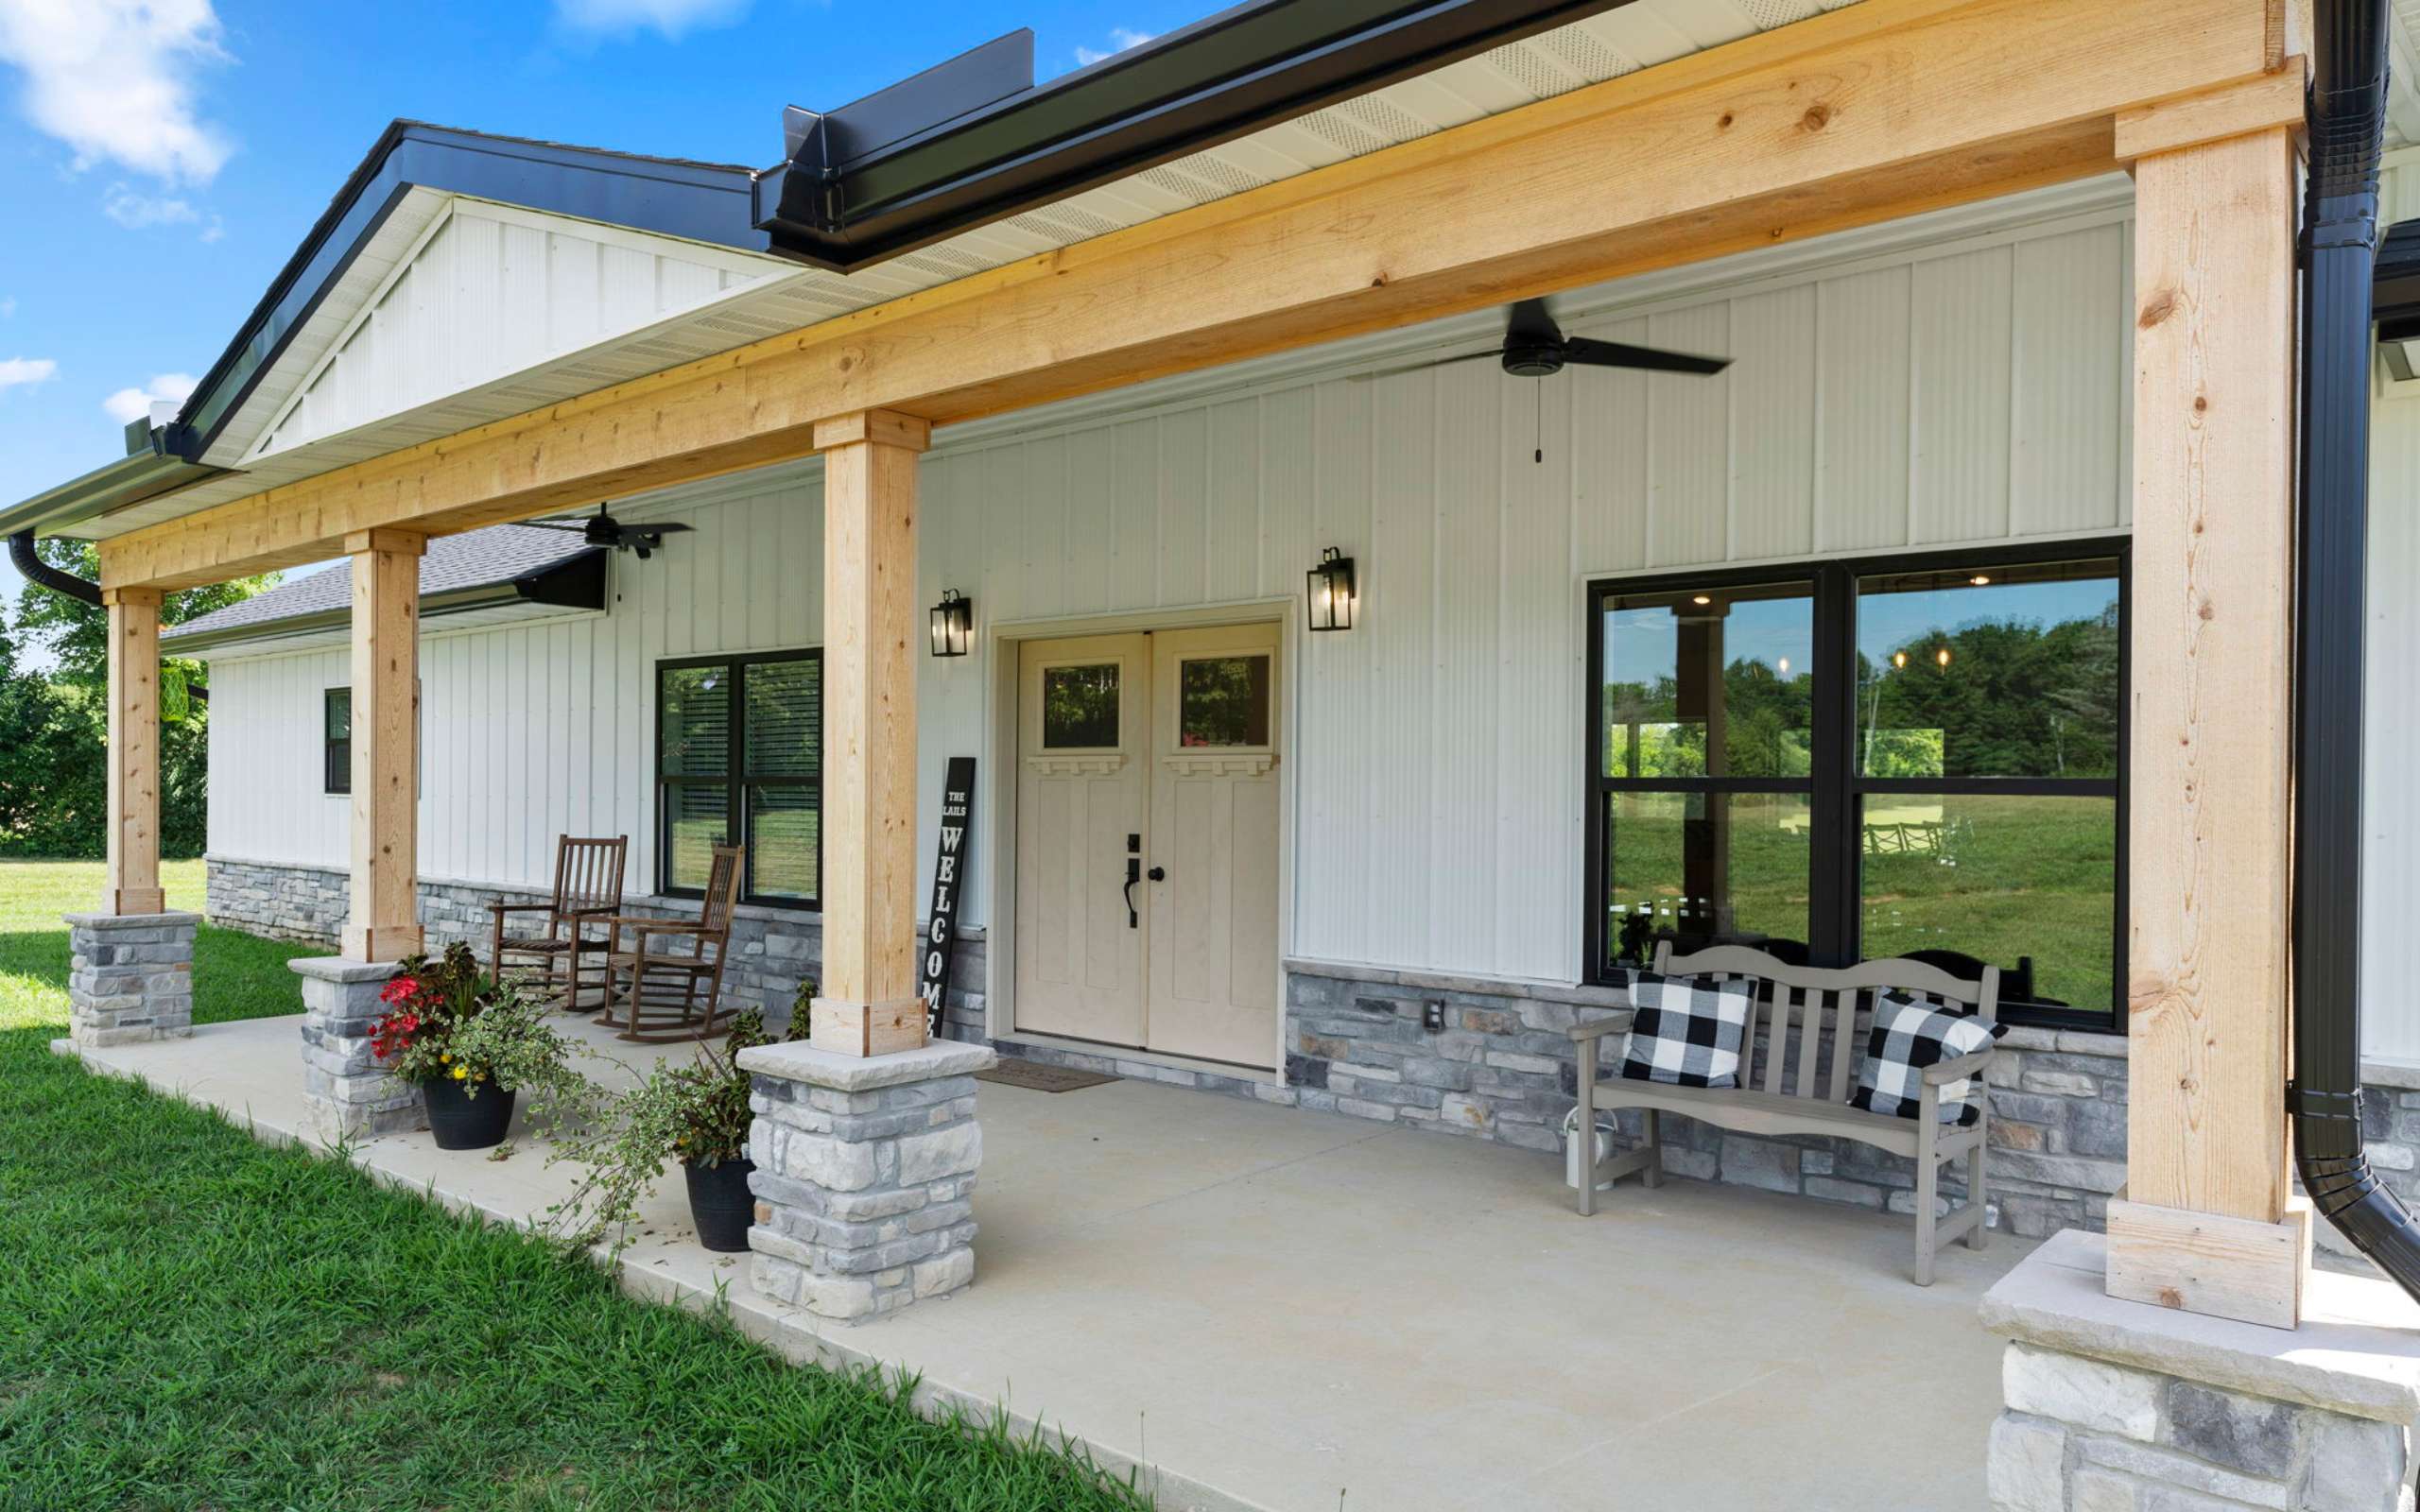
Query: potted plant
{"type": "Point", "coordinates": [473, 1044]}
{"type": "Point", "coordinates": [697, 1114]}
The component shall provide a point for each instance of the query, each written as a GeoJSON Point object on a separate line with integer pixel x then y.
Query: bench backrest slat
{"type": "Point", "coordinates": [1833, 1004]}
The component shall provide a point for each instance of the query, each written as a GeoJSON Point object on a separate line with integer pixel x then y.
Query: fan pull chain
{"type": "Point", "coordinates": [1539, 443]}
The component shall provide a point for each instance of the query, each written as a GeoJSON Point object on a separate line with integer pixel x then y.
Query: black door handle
{"type": "Point", "coordinates": [1159, 873]}
{"type": "Point", "coordinates": [1133, 875]}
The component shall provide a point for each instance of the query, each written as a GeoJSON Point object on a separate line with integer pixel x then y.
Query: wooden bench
{"type": "Point", "coordinates": [1813, 1024]}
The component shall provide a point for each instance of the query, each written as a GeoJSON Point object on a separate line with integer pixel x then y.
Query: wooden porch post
{"type": "Point", "coordinates": [2204, 1223]}
{"type": "Point", "coordinates": [871, 633]}
{"type": "Point", "coordinates": [133, 841]}
{"type": "Point", "coordinates": [385, 923]}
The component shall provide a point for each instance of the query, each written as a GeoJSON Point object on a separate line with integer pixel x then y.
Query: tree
{"type": "Point", "coordinates": [54, 727]}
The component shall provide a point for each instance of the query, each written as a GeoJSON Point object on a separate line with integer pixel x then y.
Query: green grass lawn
{"type": "Point", "coordinates": [189, 1319]}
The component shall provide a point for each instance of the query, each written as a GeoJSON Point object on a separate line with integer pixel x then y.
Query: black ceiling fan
{"type": "Point", "coordinates": [602, 529]}
{"type": "Point", "coordinates": [1535, 347]}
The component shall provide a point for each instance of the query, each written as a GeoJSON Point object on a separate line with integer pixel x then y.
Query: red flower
{"type": "Point", "coordinates": [402, 989]}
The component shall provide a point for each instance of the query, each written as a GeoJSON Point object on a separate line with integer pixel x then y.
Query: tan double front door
{"type": "Point", "coordinates": [1146, 841]}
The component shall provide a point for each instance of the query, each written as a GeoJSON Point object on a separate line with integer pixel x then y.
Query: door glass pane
{"type": "Point", "coordinates": [1709, 682]}
{"type": "Point", "coordinates": [1706, 868]}
{"type": "Point", "coordinates": [1223, 701]}
{"type": "Point", "coordinates": [1080, 707]}
{"type": "Point", "coordinates": [783, 823]}
{"type": "Point", "coordinates": [2026, 884]}
{"type": "Point", "coordinates": [693, 721]}
{"type": "Point", "coordinates": [697, 815]}
{"type": "Point", "coordinates": [1990, 672]}
{"type": "Point", "coordinates": [784, 716]}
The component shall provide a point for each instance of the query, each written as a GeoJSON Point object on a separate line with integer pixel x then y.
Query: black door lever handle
{"type": "Point", "coordinates": [1133, 875]}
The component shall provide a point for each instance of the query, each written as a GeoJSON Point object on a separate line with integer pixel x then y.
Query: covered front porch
{"type": "Point", "coordinates": [1267, 1306]}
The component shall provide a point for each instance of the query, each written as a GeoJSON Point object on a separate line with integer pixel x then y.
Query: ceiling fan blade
{"type": "Point", "coordinates": [1530, 322]}
{"type": "Point", "coordinates": [1652, 359]}
{"type": "Point", "coordinates": [660, 526]}
{"type": "Point", "coordinates": [1421, 367]}
{"type": "Point", "coordinates": [578, 525]}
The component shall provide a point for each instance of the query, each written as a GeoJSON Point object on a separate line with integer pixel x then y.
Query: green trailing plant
{"type": "Point", "coordinates": [695, 1114]}
{"type": "Point", "coordinates": [802, 1008]}
{"type": "Point", "coordinates": [449, 1021]}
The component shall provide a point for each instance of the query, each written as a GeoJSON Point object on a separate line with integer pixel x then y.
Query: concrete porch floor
{"type": "Point", "coordinates": [1274, 1309]}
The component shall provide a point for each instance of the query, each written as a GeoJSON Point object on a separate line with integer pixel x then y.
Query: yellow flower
{"type": "Point", "coordinates": [460, 1071]}
{"type": "Point", "coordinates": [445, 1057]}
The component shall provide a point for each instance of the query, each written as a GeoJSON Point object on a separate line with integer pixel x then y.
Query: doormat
{"type": "Point", "coordinates": [1034, 1076]}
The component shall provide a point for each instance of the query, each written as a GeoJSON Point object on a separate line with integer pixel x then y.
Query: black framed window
{"type": "Point", "coordinates": [335, 740]}
{"type": "Point", "coordinates": [1868, 759]}
{"type": "Point", "coordinates": [739, 753]}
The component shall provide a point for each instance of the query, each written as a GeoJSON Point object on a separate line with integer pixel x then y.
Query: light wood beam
{"type": "Point", "coordinates": [385, 923]}
{"type": "Point", "coordinates": [1877, 111]}
{"type": "Point", "coordinates": [2212, 652]}
{"type": "Point", "coordinates": [870, 641]}
{"type": "Point", "coordinates": [133, 841]}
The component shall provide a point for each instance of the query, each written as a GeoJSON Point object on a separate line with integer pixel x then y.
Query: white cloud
{"type": "Point", "coordinates": [621, 18]}
{"type": "Point", "coordinates": [17, 372]}
{"type": "Point", "coordinates": [135, 403]}
{"type": "Point", "coordinates": [1120, 38]}
{"type": "Point", "coordinates": [140, 212]}
{"type": "Point", "coordinates": [113, 80]}
{"type": "Point", "coordinates": [9, 307]}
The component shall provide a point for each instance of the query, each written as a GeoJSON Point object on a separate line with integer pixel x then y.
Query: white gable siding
{"type": "Point", "coordinates": [491, 291]}
{"type": "Point", "coordinates": [1915, 398]}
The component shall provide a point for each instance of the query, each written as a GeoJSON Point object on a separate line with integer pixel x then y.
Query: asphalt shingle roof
{"type": "Point", "coordinates": [474, 558]}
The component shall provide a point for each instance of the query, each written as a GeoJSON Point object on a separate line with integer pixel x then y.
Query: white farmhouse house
{"type": "Point", "coordinates": [1880, 545]}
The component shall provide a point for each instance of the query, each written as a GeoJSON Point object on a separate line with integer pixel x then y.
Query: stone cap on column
{"type": "Point", "coordinates": [2358, 1352]}
{"type": "Point", "coordinates": [159, 920]}
{"type": "Point", "coordinates": [860, 1073]}
{"type": "Point", "coordinates": [337, 969]}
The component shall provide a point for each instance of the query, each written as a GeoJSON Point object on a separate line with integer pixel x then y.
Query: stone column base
{"type": "Point", "coordinates": [864, 1172]}
{"type": "Point", "coordinates": [130, 978]}
{"type": "Point", "coordinates": [344, 1092]}
{"type": "Point", "coordinates": [2123, 1406]}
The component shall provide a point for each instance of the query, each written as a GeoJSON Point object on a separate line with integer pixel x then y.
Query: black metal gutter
{"type": "Point", "coordinates": [575, 583]}
{"type": "Point", "coordinates": [28, 561]}
{"type": "Point", "coordinates": [2347, 116]}
{"type": "Point", "coordinates": [974, 139]}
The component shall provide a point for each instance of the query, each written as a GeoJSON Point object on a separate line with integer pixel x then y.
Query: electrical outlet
{"type": "Point", "coordinates": [1432, 1015]}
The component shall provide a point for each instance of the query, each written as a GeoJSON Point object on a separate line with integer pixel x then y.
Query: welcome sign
{"type": "Point", "coordinates": [949, 869]}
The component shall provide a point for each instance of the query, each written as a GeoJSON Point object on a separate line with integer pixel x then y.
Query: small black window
{"type": "Point", "coordinates": [335, 730]}
{"type": "Point", "coordinates": [739, 754]}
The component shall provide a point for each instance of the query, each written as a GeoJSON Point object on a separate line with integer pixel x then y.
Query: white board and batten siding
{"type": "Point", "coordinates": [1929, 392]}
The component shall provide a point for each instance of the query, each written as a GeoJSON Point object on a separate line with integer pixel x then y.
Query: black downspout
{"type": "Point", "coordinates": [2347, 116]}
{"type": "Point", "coordinates": [28, 561]}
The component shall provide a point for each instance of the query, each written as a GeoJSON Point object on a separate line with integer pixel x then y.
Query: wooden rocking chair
{"type": "Point", "coordinates": [565, 960]}
{"type": "Point", "coordinates": [664, 975]}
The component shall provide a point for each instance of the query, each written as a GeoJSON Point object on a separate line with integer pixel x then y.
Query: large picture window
{"type": "Point", "coordinates": [1867, 759]}
{"type": "Point", "coordinates": [739, 754]}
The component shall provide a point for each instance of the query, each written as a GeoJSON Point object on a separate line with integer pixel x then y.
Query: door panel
{"type": "Point", "coordinates": [1082, 786]}
{"type": "Point", "coordinates": [1214, 746]}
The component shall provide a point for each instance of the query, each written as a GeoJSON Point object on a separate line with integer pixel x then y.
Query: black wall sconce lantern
{"type": "Point", "coordinates": [953, 624]}
{"type": "Point", "coordinates": [1332, 601]}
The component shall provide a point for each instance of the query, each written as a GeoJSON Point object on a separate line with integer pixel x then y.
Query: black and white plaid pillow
{"type": "Point", "coordinates": [1686, 1030]}
{"type": "Point", "coordinates": [1907, 1037]}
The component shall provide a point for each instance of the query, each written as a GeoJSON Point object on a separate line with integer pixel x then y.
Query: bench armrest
{"type": "Point", "coordinates": [1617, 1022]}
{"type": "Point", "coordinates": [495, 907]}
{"type": "Point", "coordinates": [1943, 1073]}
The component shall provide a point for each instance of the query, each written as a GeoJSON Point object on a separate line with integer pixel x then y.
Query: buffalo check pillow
{"type": "Point", "coordinates": [1907, 1037]}
{"type": "Point", "coordinates": [1687, 1030]}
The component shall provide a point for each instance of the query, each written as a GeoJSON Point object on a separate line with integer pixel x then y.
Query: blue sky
{"type": "Point", "coordinates": [161, 158]}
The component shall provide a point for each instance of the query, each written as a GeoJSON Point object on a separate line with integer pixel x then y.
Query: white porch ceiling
{"type": "Point", "coordinates": [389, 406]}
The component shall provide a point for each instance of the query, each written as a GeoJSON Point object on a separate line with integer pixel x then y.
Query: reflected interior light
{"type": "Point", "coordinates": [1898, 659]}
{"type": "Point", "coordinates": [1941, 656]}
{"type": "Point", "coordinates": [1701, 600]}
{"type": "Point", "coordinates": [1980, 580]}
{"type": "Point", "coordinates": [1784, 665]}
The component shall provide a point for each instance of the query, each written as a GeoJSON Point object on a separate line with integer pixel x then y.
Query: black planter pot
{"type": "Point", "coordinates": [722, 1204]}
{"type": "Point", "coordinates": [461, 1122]}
